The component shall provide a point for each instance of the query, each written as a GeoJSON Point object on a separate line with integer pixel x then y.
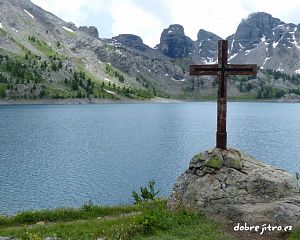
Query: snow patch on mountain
{"type": "Point", "coordinates": [233, 56]}
{"type": "Point", "coordinates": [1, 26]}
{"type": "Point", "coordinates": [180, 80]}
{"type": "Point", "coordinates": [231, 45]}
{"type": "Point", "coordinates": [268, 58]}
{"type": "Point", "coordinates": [294, 39]}
{"type": "Point", "coordinates": [108, 80]}
{"type": "Point", "coordinates": [275, 44]}
{"type": "Point", "coordinates": [209, 60]}
{"type": "Point", "coordinates": [67, 29]}
{"type": "Point", "coordinates": [110, 92]}
{"type": "Point", "coordinates": [297, 71]}
{"type": "Point", "coordinates": [29, 14]}
{"type": "Point", "coordinates": [280, 69]}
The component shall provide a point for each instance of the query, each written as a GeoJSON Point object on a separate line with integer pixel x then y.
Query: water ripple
{"type": "Point", "coordinates": [54, 156]}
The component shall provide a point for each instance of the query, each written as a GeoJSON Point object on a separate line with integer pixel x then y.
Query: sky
{"type": "Point", "coordinates": [148, 18]}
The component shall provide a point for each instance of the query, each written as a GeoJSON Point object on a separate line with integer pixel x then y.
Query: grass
{"type": "Point", "coordinates": [294, 235]}
{"type": "Point", "coordinates": [44, 48]}
{"type": "Point", "coordinates": [64, 214]}
{"type": "Point", "coordinates": [3, 88]}
{"type": "Point", "coordinates": [143, 221]}
{"type": "Point", "coordinates": [56, 91]}
{"type": "Point", "coordinates": [146, 221]}
{"type": "Point", "coordinates": [2, 32]}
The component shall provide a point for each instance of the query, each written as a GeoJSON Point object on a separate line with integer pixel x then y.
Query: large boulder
{"type": "Point", "coordinates": [243, 189]}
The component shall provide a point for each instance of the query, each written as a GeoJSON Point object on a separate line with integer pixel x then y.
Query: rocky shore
{"type": "Point", "coordinates": [290, 98]}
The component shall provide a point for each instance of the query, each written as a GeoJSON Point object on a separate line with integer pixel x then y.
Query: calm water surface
{"type": "Point", "coordinates": [54, 156]}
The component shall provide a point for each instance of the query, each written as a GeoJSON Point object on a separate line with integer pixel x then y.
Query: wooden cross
{"type": "Point", "coordinates": [222, 69]}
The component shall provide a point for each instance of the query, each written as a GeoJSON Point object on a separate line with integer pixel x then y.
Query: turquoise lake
{"type": "Point", "coordinates": [64, 155]}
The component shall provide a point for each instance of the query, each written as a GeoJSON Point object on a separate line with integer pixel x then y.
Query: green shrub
{"type": "Point", "coordinates": [25, 217]}
{"type": "Point", "coordinates": [146, 194]}
{"type": "Point", "coordinates": [157, 217]}
{"type": "Point", "coordinates": [154, 217]}
{"type": "Point", "coordinates": [31, 236]}
{"type": "Point", "coordinates": [88, 206]}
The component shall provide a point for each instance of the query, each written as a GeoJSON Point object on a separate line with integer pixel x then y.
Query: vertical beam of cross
{"type": "Point", "coordinates": [222, 69]}
{"type": "Point", "coordinates": [221, 136]}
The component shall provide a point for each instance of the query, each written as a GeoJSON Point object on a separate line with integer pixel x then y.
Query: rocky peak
{"type": "Point", "coordinates": [266, 41]}
{"type": "Point", "coordinates": [131, 40]}
{"type": "Point", "coordinates": [174, 43]}
{"type": "Point", "coordinates": [204, 35]}
{"type": "Point", "coordinates": [71, 26]}
{"type": "Point", "coordinates": [174, 29]}
{"type": "Point", "coordinates": [207, 45]}
{"type": "Point", "coordinates": [262, 20]}
{"type": "Point", "coordinates": [253, 29]}
{"type": "Point", "coordinates": [92, 31]}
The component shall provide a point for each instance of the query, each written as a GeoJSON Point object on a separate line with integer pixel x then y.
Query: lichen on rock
{"type": "Point", "coordinates": [214, 162]}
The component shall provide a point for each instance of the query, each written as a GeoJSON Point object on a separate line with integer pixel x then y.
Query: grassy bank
{"type": "Point", "coordinates": [143, 221]}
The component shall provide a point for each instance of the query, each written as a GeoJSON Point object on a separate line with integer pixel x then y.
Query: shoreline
{"type": "Point", "coordinates": [71, 101]}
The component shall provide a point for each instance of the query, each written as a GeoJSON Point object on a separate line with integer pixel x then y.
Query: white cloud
{"type": "Point", "coordinates": [129, 18]}
{"type": "Point", "coordinates": [75, 10]}
{"type": "Point", "coordinates": [219, 17]}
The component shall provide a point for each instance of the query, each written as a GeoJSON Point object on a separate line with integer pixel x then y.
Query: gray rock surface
{"type": "Point", "coordinates": [131, 41]}
{"type": "Point", "coordinates": [253, 28]}
{"type": "Point", "coordinates": [245, 191]}
{"type": "Point", "coordinates": [291, 97]}
{"type": "Point", "coordinates": [206, 47]}
{"type": "Point", "coordinates": [174, 43]}
{"type": "Point", "coordinates": [267, 41]}
{"type": "Point", "coordinates": [91, 31]}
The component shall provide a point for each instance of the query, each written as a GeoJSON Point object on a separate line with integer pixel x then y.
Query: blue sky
{"type": "Point", "coordinates": [147, 18]}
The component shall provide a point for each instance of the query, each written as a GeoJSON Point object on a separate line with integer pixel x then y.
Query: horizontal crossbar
{"type": "Point", "coordinates": [229, 69]}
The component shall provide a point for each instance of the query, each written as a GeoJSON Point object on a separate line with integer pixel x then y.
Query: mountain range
{"type": "Point", "coordinates": [42, 56]}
